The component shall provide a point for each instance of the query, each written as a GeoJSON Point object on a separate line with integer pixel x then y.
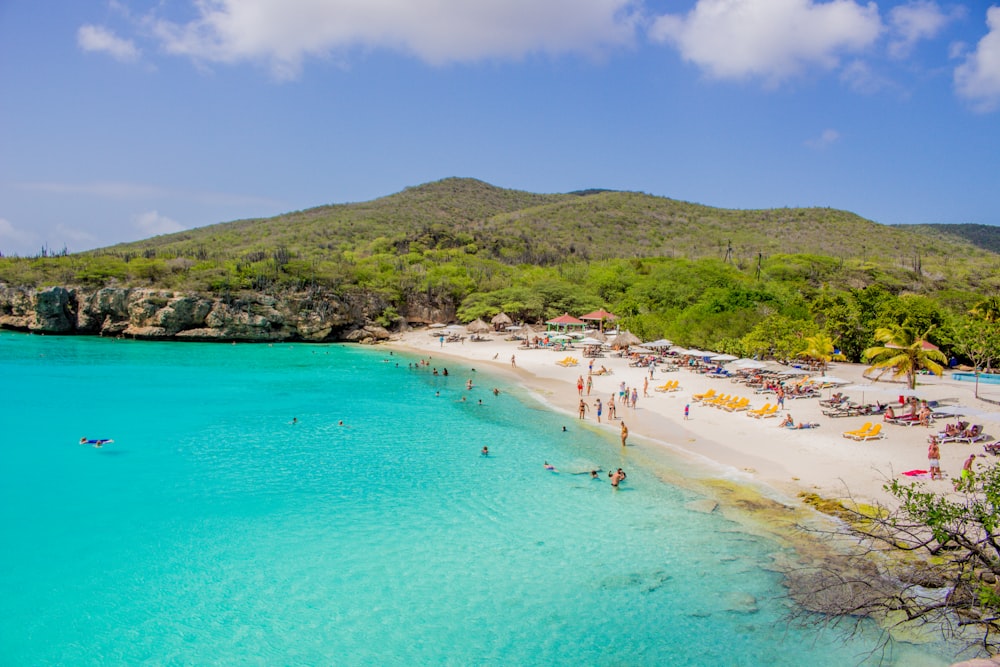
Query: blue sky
{"type": "Point", "coordinates": [124, 119]}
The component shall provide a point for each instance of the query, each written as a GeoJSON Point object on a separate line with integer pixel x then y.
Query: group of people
{"type": "Point", "coordinates": [616, 476]}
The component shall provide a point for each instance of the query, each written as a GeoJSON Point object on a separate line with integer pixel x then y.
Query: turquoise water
{"type": "Point", "coordinates": [213, 531]}
{"type": "Point", "coordinates": [985, 378]}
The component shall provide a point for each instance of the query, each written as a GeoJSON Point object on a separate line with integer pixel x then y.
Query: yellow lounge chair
{"type": "Point", "coordinates": [771, 412]}
{"type": "Point", "coordinates": [568, 361]}
{"type": "Point", "coordinates": [756, 414]}
{"type": "Point", "coordinates": [702, 397]}
{"type": "Point", "coordinates": [874, 434]}
{"type": "Point", "coordinates": [666, 386]}
{"type": "Point", "coordinates": [738, 406]}
{"type": "Point", "coordinates": [858, 431]}
{"type": "Point", "coordinates": [718, 400]}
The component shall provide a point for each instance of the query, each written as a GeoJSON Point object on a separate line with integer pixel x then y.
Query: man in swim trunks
{"type": "Point", "coordinates": [616, 477]}
{"type": "Point", "coordinates": [599, 408]}
{"type": "Point", "coordinates": [934, 458]}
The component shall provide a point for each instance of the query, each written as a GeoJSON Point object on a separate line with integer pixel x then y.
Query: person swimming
{"type": "Point", "coordinates": [96, 442]}
{"type": "Point", "coordinates": [485, 452]}
{"type": "Point", "coordinates": [550, 467]}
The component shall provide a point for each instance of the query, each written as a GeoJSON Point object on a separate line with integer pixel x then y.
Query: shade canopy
{"type": "Point", "coordinates": [626, 338]}
{"type": "Point", "coordinates": [478, 326]}
{"type": "Point", "coordinates": [501, 319]}
{"type": "Point", "coordinates": [565, 321]}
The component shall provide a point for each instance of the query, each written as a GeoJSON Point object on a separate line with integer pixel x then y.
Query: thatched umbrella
{"type": "Point", "coordinates": [501, 321]}
{"type": "Point", "coordinates": [626, 338]}
{"type": "Point", "coordinates": [478, 326]}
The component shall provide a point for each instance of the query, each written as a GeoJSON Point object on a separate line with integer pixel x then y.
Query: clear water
{"type": "Point", "coordinates": [213, 531]}
{"type": "Point", "coordinates": [985, 378]}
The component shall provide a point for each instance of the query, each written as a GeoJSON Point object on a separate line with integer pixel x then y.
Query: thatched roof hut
{"type": "Point", "coordinates": [501, 321]}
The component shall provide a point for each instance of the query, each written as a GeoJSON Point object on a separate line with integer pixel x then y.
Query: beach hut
{"type": "Point", "coordinates": [600, 316]}
{"type": "Point", "coordinates": [501, 321]}
{"type": "Point", "coordinates": [565, 322]}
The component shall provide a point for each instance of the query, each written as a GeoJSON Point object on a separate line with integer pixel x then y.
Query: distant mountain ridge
{"type": "Point", "coordinates": [986, 237]}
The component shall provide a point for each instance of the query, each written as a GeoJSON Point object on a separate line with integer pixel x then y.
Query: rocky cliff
{"type": "Point", "coordinates": [165, 315]}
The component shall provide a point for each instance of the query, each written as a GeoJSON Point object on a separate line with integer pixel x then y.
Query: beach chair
{"type": "Point", "coordinates": [973, 434]}
{"type": "Point", "coordinates": [859, 431]}
{"type": "Point", "coordinates": [756, 414]}
{"type": "Point", "coordinates": [701, 397]}
{"type": "Point", "coordinates": [666, 386]}
{"type": "Point", "coordinates": [874, 434]}
{"type": "Point", "coordinates": [771, 412]}
{"type": "Point", "coordinates": [718, 400]}
{"type": "Point", "coordinates": [568, 361]}
{"type": "Point", "coordinates": [738, 405]}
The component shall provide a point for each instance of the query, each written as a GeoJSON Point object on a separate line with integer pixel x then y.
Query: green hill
{"type": "Point", "coordinates": [986, 237]}
{"type": "Point", "coordinates": [517, 227]}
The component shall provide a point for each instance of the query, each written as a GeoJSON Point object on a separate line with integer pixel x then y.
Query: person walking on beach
{"type": "Point", "coordinates": [687, 411]}
{"type": "Point", "coordinates": [590, 367]}
{"type": "Point", "coordinates": [579, 386]}
{"type": "Point", "coordinates": [611, 408]}
{"type": "Point", "coordinates": [583, 409]}
{"type": "Point", "coordinates": [599, 407]}
{"type": "Point", "coordinates": [781, 397]}
{"type": "Point", "coordinates": [645, 387]}
{"type": "Point", "coordinates": [934, 458]}
{"type": "Point", "coordinates": [513, 362]}
{"type": "Point", "coordinates": [635, 397]}
{"type": "Point", "coordinates": [590, 384]}
{"type": "Point", "coordinates": [967, 467]}
{"type": "Point", "coordinates": [624, 433]}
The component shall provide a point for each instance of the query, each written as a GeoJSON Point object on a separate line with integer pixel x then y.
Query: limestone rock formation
{"type": "Point", "coordinates": [163, 314]}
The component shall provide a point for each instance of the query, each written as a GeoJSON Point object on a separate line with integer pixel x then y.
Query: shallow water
{"type": "Point", "coordinates": [214, 531]}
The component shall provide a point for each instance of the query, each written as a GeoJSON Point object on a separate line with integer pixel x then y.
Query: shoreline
{"type": "Point", "coordinates": [731, 446]}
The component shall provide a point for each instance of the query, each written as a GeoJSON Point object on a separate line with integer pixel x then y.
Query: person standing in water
{"type": "Point", "coordinates": [624, 433]}
{"type": "Point", "coordinates": [583, 409]}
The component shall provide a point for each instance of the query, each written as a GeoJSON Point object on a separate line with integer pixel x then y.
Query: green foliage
{"type": "Point", "coordinates": [959, 529]}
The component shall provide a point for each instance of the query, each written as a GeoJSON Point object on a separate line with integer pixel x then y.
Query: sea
{"type": "Point", "coordinates": [295, 504]}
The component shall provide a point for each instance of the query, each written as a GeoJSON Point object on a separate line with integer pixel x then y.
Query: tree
{"type": "Point", "coordinates": [905, 352]}
{"type": "Point", "coordinates": [959, 533]}
{"type": "Point", "coordinates": [979, 340]}
{"type": "Point", "coordinates": [822, 349]}
{"type": "Point", "coordinates": [931, 566]}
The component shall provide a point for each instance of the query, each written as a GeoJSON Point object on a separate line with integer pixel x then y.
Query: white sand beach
{"type": "Point", "coordinates": [818, 460]}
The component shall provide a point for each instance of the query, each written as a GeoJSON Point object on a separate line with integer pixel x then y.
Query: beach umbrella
{"type": "Point", "coordinates": [723, 357]}
{"type": "Point", "coordinates": [626, 338]}
{"type": "Point", "coordinates": [793, 371]}
{"type": "Point", "coordinates": [748, 363]}
{"type": "Point", "coordinates": [478, 326]}
{"type": "Point", "coordinates": [832, 379]}
{"type": "Point", "coordinates": [663, 342]}
{"type": "Point", "coordinates": [640, 350]}
{"type": "Point", "coordinates": [590, 340]}
{"type": "Point", "coordinates": [864, 388]}
{"type": "Point", "coordinates": [501, 320]}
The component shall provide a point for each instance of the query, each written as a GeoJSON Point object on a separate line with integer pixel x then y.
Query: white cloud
{"type": "Point", "coordinates": [154, 224]}
{"type": "Point", "coordinates": [978, 78]}
{"type": "Point", "coordinates": [100, 39]}
{"type": "Point", "coordinates": [18, 238]}
{"type": "Point", "coordinates": [118, 190]}
{"type": "Point", "coordinates": [910, 23]}
{"type": "Point", "coordinates": [282, 33]}
{"type": "Point", "coordinates": [826, 138]}
{"type": "Point", "coordinates": [73, 234]}
{"type": "Point", "coordinates": [773, 40]}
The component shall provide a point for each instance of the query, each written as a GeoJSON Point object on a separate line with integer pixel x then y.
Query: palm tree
{"type": "Point", "coordinates": [821, 348]}
{"type": "Point", "coordinates": [906, 352]}
{"type": "Point", "coordinates": [988, 309]}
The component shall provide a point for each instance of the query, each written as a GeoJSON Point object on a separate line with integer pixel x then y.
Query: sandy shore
{"type": "Point", "coordinates": [729, 444]}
